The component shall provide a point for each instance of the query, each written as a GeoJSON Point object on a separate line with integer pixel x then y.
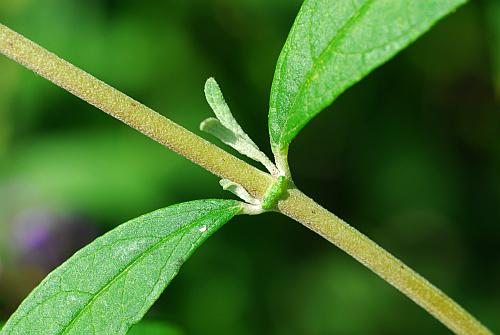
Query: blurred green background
{"type": "Point", "coordinates": [410, 156]}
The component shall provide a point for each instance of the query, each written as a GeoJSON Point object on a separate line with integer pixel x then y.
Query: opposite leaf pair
{"type": "Point", "coordinates": [227, 129]}
{"type": "Point", "coordinates": [110, 284]}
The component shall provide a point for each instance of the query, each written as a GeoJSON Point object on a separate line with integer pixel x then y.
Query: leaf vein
{"type": "Point", "coordinates": [155, 246]}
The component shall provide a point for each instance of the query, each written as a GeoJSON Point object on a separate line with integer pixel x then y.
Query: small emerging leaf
{"type": "Point", "coordinates": [215, 128]}
{"type": "Point", "coordinates": [227, 129]}
{"type": "Point", "coordinates": [109, 285]}
{"type": "Point", "coordinates": [239, 191]}
{"type": "Point", "coordinates": [332, 45]}
{"type": "Point", "coordinates": [215, 99]}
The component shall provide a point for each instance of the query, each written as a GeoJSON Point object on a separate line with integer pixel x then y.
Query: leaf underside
{"type": "Point", "coordinates": [109, 285]}
{"type": "Point", "coordinates": [332, 45]}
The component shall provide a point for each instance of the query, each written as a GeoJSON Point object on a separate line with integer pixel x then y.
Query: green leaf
{"type": "Point", "coordinates": [332, 45]}
{"type": "Point", "coordinates": [109, 285]}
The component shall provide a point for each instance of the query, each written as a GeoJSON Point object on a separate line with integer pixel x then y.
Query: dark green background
{"type": "Point", "coordinates": [410, 156]}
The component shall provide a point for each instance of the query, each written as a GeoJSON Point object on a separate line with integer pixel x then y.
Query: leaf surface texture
{"type": "Point", "coordinates": [332, 45]}
{"type": "Point", "coordinates": [110, 284]}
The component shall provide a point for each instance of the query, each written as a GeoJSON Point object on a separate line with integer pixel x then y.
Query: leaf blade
{"type": "Point", "coordinates": [334, 44]}
{"type": "Point", "coordinates": [109, 285]}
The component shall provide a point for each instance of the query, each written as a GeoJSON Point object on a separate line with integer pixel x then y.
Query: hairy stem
{"type": "Point", "coordinates": [303, 209]}
{"type": "Point", "coordinates": [295, 204]}
{"type": "Point", "coordinates": [131, 112]}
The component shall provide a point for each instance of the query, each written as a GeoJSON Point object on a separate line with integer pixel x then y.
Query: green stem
{"type": "Point", "coordinates": [303, 209]}
{"type": "Point", "coordinates": [131, 112]}
{"type": "Point", "coordinates": [295, 205]}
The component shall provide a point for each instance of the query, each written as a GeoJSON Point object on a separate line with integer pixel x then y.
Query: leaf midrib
{"type": "Point", "coordinates": [152, 248]}
{"type": "Point", "coordinates": [339, 37]}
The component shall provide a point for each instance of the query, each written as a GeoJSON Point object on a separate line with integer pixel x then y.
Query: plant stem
{"type": "Point", "coordinates": [296, 205]}
{"type": "Point", "coordinates": [303, 209]}
{"type": "Point", "coordinates": [131, 112]}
